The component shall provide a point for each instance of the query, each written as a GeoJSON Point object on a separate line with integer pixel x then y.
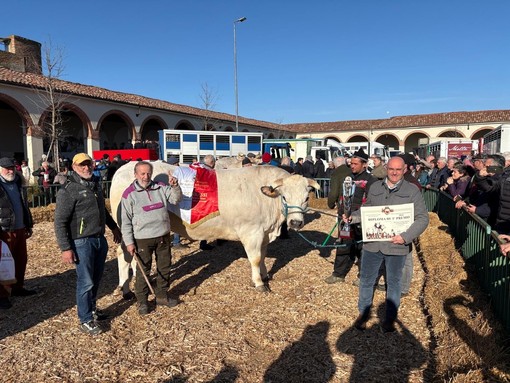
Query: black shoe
{"type": "Point", "coordinates": [180, 246]}
{"type": "Point", "coordinates": [388, 326]}
{"type": "Point", "coordinates": [5, 304]}
{"type": "Point", "coordinates": [361, 322]}
{"type": "Point", "coordinates": [99, 315]}
{"type": "Point", "coordinates": [205, 246]}
{"type": "Point", "coordinates": [143, 309]}
{"type": "Point", "coordinates": [22, 292]}
{"type": "Point", "coordinates": [334, 279]}
{"type": "Point", "coordinates": [128, 296]}
{"type": "Point", "coordinates": [169, 302]}
{"type": "Point", "coordinates": [402, 295]}
{"type": "Point", "coordinates": [91, 328]}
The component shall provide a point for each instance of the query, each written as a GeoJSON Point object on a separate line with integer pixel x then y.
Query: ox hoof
{"type": "Point", "coordinates": [263, 289]}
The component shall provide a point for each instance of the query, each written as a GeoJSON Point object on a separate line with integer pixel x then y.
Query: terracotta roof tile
{"type": "Point", "coordinates": [33, 80]}
{"type": "Point", "coordinates": [413, 121]}
{"type": "Point", "coordinates": [423, 120]}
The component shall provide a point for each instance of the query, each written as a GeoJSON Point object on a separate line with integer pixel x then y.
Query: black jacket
{"type": "Point", "coordinates": [39, 173]}
{"type": "Point", "coordinates": [336, 187]}
{"type": "Point", "coordinates": [7, 212]}
{"type": "Point", "coordinates": [362, 181]}
{"type": "Point", "coordinates": [502, 186]}
{"type": "Point", "coordinates": [80, 211]}
{"type": "Point", "coordinates": [308, 169]}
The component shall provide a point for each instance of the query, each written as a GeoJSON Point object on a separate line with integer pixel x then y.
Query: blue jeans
{"type": "Point", "coordinates": [407, 273]}
{"type": "Point", "coordinates": [176, 240]}
{"type": "Point", "coordinates": [368, 275]}
{"type": "Point", "coordinates": [91, 253]}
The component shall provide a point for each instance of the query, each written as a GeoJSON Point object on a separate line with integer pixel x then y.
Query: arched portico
{"type": "Point", "coordinates": [73, 130]}
{"type": "Point", "coordinates": [357, 138]}
{"type": "Point", "coordinates": [451, 133]}
{"type": "Point", "coordinates": [17, 127]}
{"type": "Point", "coordinates": [184, 125]}
{"type": "Point", "coordinates": [149, 130]}
{"type": "Point", "coordinates": [115, 130]}
{"type": "Point", "coordinates": [411, 141]}
{"type": "Point", "coordinates": [479, 133]}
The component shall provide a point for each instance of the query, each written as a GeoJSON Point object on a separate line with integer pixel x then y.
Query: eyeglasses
{"type": "Point", "coordinates": [84, 164]}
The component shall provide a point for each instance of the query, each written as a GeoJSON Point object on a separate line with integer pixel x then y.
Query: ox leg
{"type": "Point", "coordinates": [263, 268]}
{"type": "Point", "coordinates": [125, 261]}
{"type": "Point", "coordinates": [256, 252]}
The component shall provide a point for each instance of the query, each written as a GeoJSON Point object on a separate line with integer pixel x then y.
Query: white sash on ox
{"type": "Point", "coordinates": [186, 177]}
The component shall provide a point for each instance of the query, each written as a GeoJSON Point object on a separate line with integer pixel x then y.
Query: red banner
{"type": "Point", "coordinates": [127, 154]}
{"type": "Point", "coordinates": [205, 195]}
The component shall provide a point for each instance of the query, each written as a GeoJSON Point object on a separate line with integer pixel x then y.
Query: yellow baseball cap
{"type": "Point", "coordinates": [81, 158]}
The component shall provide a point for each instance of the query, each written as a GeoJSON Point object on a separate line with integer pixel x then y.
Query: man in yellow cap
{"type": "Point", "coordinates": [80, 218]}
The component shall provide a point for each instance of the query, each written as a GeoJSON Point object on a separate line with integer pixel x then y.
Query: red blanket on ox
{"type": "Point", "coordinates": [204, 203]}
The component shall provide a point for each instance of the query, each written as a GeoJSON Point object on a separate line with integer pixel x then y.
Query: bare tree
{"type": "Point", "coordinates": [50, 100]}
{"type": "Point", "coordinates": [208, 96]}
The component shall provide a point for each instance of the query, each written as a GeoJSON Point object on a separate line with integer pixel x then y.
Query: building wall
{"type": "Point", "coordinates": [22, 55]}
{"type": "Point", "coordinates": [92, 113]}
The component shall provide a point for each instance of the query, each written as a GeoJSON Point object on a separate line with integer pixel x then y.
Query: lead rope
{"type": "Point", "coordinates": [285, 212]}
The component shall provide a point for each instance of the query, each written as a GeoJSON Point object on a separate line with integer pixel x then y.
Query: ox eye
{"type": "Point", "coordinates": [307, 198]}
{"type": "Point", "coordinates": [284, 199]}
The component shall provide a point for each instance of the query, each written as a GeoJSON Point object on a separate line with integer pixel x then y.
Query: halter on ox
{"type": "Point", "coordinates": [300, 210]}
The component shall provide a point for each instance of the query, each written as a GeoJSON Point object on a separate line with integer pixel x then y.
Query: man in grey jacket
{"type": "Point", "coordinates": [80, 218]}
{"type": "Point", "coordinates": [146, 231]}
{"type": "Point", "coordinates": [393, 190]}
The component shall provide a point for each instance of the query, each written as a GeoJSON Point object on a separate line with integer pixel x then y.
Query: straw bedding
{"type": "Point", "coordinates": [225, 331]}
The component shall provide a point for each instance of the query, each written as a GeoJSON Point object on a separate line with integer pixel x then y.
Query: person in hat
{"type": "Point", "coordinates": [15, 228]}
{"type": "Point", "coordinates": [80, 219]}
{"type": "Point", "coordinates": [173, 161]}
{"type": "Point", "coordinates": [346, 255]}
{"type": "Point", "coordinates": [266, 159]}
{"type": "Point", "coordinates": [246, 162]}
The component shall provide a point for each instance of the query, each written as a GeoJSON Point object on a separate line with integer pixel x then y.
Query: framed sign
{"type": "Point", "coordinates": [381, 223]}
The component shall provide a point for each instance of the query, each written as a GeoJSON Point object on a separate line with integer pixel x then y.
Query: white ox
{"type": "Point", "coordinates": [234, 162]}
{"type": "Point", "coordinates": [253, 203]}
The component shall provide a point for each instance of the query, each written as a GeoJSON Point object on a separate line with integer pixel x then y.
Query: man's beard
{"type": "Point", "coordinates": [9, 177]}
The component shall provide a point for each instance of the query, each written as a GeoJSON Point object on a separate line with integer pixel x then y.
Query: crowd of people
{"type": "Point", "coordinates": [479, 184]}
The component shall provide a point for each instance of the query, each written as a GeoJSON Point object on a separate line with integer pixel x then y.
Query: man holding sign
{"type": "Point", "coordinates": [388, 194]}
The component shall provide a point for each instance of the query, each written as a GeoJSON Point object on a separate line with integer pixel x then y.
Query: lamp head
{"type": "Point", "coordinates": [240, 20]}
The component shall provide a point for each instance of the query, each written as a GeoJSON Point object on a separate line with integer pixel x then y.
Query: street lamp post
{"type": "Point", "coordinates": [240, 20]}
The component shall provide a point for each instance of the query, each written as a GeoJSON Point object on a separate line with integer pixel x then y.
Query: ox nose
{"type": "Point", "coordinates": [295, 224]}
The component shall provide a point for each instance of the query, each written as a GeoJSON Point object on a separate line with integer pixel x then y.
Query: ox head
{"type": "Point", "coordinates": [294, 192]}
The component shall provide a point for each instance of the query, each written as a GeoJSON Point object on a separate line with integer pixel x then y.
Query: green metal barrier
{"type": "Point", "coordinates": [479, 245]}
{"type": "Point", "coordinates": [38, 196]}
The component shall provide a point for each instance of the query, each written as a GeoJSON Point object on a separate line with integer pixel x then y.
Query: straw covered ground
{"type": "Point", "coordinates": [225, 331]}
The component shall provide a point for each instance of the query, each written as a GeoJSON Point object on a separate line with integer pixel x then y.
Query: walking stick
{"type": "Point", "coordinates": [138, 262]}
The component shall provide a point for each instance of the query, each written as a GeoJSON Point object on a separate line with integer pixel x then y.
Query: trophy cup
{"type": "Point", "coordinates": [348, 192]}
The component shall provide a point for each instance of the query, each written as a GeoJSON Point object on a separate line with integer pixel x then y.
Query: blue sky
{"type": "Point", "coordinates": [298, 61]}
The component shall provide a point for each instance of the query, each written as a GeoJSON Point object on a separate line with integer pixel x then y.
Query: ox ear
{"type": "Point", "coordinates": [313, 183]}
{"type": "Point", "coordinates": [270, 191]}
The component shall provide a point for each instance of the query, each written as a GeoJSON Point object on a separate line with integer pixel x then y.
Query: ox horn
{"type": "Point", "coordinates": [313, 183]}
